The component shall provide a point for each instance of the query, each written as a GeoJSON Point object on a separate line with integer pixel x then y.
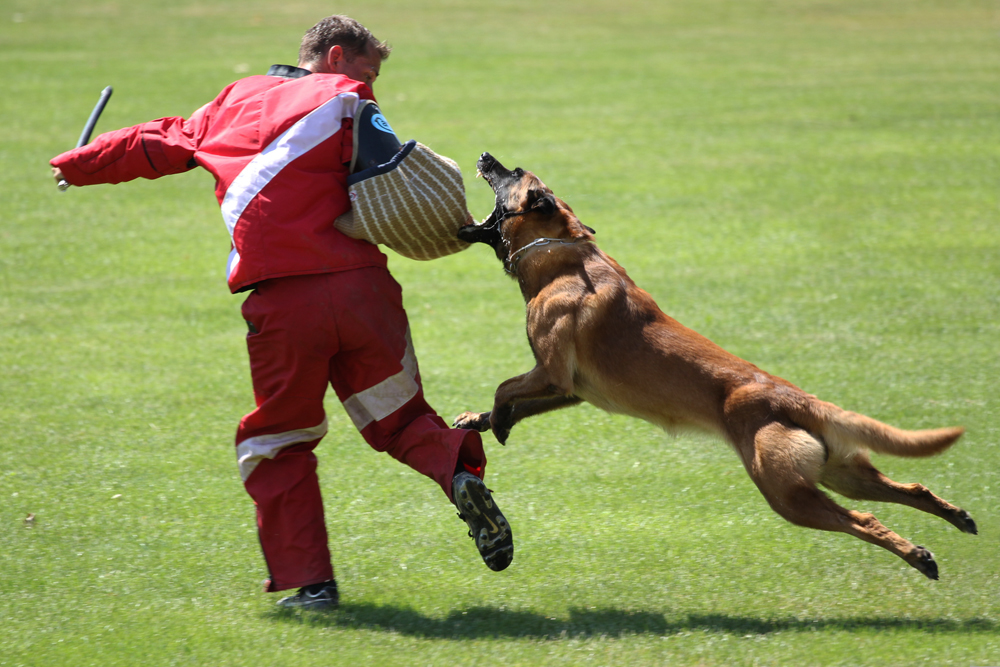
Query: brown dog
{"type": "Point", "coordinates": [598, 338]}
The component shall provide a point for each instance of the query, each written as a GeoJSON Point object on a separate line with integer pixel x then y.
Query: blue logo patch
{"type": "Point", "coordinates": [380, 123]}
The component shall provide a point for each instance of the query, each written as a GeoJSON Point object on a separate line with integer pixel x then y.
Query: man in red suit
{"type": "Point", "coordinates": [322, 308]}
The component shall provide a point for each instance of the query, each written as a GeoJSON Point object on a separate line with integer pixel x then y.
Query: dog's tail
{"type": "Point", "coordinates": [839, 427]}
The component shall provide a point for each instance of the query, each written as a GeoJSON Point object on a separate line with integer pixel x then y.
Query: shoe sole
{"type": "Point", "coordinates": [309, 606]}
{"type": "Point", "coordinates": [296, 602]}
{"type": "Point", "coordinates": [486, 522]}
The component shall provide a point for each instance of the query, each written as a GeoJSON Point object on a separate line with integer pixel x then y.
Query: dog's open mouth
{"type": "Point", "coordinates": [499, 179]}
{"type": "Point", "coordinates": [487, 167]}
{"type": "Point", "coordinates": [496, 176]}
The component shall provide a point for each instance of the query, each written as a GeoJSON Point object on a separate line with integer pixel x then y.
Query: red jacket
{"type": "Point", "coordinates": [279, 149]}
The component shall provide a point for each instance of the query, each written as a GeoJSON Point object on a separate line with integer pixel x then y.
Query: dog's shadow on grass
{"type": "Point", "coordinates": [491, 622]}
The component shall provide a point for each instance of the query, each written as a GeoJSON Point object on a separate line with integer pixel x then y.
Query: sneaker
{"type": "Point", "coordinates": [314, 596]}
{"type": "Point", "coordinates": [487, 525]}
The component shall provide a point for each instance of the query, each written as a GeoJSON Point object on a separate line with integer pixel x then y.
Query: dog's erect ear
{"type": "Point", "coordinates": [546, 205]}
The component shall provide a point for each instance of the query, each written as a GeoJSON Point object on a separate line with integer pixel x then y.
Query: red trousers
{"type": "Point", "coordinates": [347, 329]}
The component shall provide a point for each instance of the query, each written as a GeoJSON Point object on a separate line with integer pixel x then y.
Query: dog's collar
{"type": "Point", "coordinates": [511, 214]}
{"type": "Point", "coordinates": [510, 264]}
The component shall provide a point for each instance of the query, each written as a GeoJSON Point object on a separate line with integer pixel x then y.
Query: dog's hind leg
{"type": "Point", "coordinates": [786, 462]}
{"type": "Point", "coordinates": [858, 479]}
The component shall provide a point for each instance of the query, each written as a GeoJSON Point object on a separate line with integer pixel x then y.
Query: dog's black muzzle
{"type": "Point", "coordinates": [500, 179]}
{"type": "Point", "coordinates": [498, 176]}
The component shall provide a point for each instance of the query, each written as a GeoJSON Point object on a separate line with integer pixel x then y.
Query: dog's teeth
{"type": "Point", "coordinates": [479, 173]}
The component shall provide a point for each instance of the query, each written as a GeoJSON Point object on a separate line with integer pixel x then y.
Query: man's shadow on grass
{"type": "Point", "coordinates": [494, 622]}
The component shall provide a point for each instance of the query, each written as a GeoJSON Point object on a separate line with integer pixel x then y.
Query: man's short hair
{"type": "Point", "coordinates": [341, 31]}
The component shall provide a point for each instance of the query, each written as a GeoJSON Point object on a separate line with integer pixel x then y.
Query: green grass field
{"type": "Point", "coordinates": [811, 184]}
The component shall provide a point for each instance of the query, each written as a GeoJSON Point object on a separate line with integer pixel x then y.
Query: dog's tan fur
{"type": "Point", "coordinates": [598, 337]}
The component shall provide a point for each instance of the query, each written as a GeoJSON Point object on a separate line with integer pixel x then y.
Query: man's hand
{"type": "Point", "coordinates": [60, 179]}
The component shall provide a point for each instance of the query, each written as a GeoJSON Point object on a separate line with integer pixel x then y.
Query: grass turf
{"type": "Point", "coordinates": [810, 184]}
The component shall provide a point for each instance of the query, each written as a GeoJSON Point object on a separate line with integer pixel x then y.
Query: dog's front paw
{"type": "Point", "coordinates": [474, 421]}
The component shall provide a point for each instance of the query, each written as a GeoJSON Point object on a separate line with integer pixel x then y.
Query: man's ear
{"type": "Point", "coordinates": [546, 205]}
{"type": "Point", "coordinates": [334, 56]}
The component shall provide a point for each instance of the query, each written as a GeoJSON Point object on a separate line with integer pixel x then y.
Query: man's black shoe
{"type": "Point", "coordinates": [487, 525]}
{"type": "Point", "coordinates": [313, 597]}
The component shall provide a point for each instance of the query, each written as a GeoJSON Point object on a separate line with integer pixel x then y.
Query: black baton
{"type": "Point", "coordinates": [88, 129]}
